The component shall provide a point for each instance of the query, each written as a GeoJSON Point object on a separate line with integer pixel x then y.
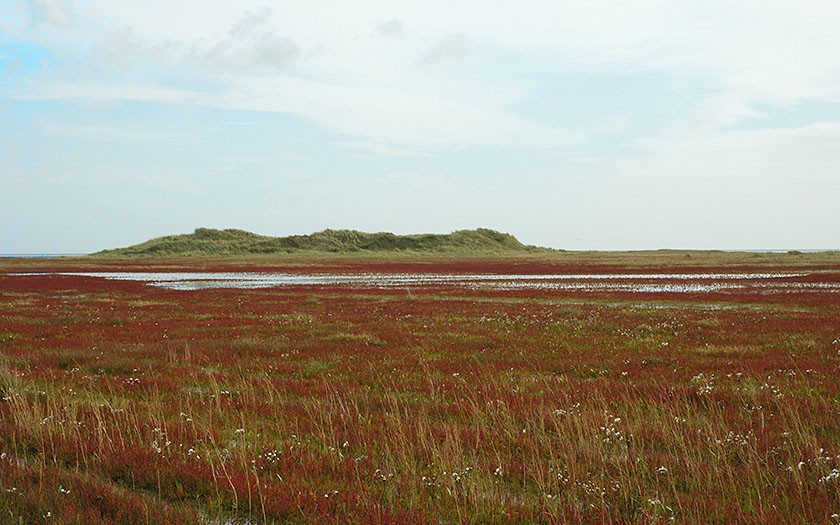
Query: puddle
{"type": "Point", "coordinates": [625, 282]}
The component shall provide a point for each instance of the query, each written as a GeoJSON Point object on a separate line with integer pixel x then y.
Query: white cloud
{"type": "Point", "coordinates": [54, 12]}
{"type": "Point", "coordinates": [754, 53]}
{"type": "Point", "coordinates": [118, 48]}
{"type": "Point", "coordinates": [390, 28]}
{"type": "Point", "coordinates": [451, 47]}
{"type": "Point", "coordinates": [387, 116]}
{"type": "Point", "coordinates": [384, 91]}
{"type": "Point", "coordinates": [251, 23]}
{"type": "Point", "coordinates": [251, 42]}
{"type": "Point", "coordinates": [404, 121]}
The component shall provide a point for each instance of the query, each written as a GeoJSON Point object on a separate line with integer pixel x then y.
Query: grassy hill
{"type": "Point", "coordinates": [205, 241]}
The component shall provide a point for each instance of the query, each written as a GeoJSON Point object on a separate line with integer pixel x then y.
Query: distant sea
{"type": "Point", "coordinates": [38, 255]}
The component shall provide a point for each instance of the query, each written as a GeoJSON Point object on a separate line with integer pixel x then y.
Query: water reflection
{"type": "Point", "coordinates": [619, 282]}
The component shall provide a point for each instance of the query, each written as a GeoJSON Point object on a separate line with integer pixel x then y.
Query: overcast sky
{"type": "Point", "coordinates": [580, 125]}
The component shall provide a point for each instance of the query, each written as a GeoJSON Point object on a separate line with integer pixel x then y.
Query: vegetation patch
{"type": "Point", "coordinates": [207, 242]}
{"type": "Point", "coordinates": [447, 406]}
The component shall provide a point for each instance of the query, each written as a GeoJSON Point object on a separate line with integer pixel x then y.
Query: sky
{"type": "Point", "coordinates": [581, 125]}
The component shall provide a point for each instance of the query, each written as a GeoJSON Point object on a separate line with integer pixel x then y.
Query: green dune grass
{"type": "Point", "coordinates": [206, 241]}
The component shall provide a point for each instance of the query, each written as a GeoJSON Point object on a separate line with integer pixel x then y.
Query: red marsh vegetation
{"type": "Point", "coordinates": [122, 402]}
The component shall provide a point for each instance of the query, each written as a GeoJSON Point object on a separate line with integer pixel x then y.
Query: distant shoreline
{"type": "Point", "coordinates": [771, 251]}
{"type": "Point", "coordinates": [39, 255]}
